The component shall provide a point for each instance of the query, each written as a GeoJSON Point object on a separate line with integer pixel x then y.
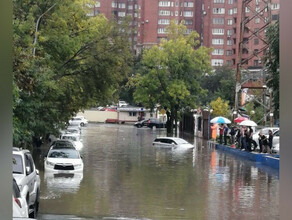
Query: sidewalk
{"type": "Point", "coordinates": [265, 159]}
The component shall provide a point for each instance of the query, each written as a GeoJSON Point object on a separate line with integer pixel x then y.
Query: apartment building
{"type": "Point", "coordinates": [216, 21]}
{"type": "Point", "coordinates": [222, 27]}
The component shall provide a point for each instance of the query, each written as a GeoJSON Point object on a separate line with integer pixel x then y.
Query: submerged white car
{"type": "Point", "coordinates": [19, 205]}
{"type": "Point", "coordinates": [75, 138]}
{"type": "Point", "coordinates": [78, 120]}
{"type": "Point", "coordinates": [172, 142]}
{"type": "Point", "coordinates": [62, 159]}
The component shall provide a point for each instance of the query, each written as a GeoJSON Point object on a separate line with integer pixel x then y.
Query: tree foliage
{"type": "Point", "coordinates": [79, 60]}
{"type": "Point", "coordinates": [169, 74]}
{"type": "Point", "coordinates": [220, 83]}
{"type": "Point", "coordinates": [220, 108]}
{"type": "Point", "coordinates": [272, 63]}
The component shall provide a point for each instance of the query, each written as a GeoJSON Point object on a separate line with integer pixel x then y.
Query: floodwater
{"type": "Point", "coordinates": [126, 177]}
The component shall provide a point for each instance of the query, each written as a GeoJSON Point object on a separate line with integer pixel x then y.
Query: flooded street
{"type": "Point", "coordinates": [126, 177]}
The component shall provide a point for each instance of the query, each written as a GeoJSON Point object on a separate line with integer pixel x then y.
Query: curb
{"type": "Point", "coordinates": [265, 159]}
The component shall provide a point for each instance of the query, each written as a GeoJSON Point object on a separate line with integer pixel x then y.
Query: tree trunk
{"type": "Point", "coordinates": [175, 122]}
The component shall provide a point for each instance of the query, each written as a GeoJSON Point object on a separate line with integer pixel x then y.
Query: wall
{"type": "Point", "coordinates": [98, 116]}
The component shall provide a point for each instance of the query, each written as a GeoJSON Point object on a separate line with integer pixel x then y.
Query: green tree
{"type": "Point", "coordinates": [272, 59]}
{"type": "Point", "coordinates": [220, 83]}
{"type": "Point", "coordinates": [170, 72]}
{"type": "Point", "coordinates": [220, 108]}
{"type": "Point", "coordinates": [78, 61]}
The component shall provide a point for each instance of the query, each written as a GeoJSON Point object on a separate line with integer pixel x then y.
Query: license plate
{"type": "Point", "coordinates": [63, 171]}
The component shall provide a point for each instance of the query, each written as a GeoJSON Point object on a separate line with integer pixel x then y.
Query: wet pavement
{"type": "Point", "coordinates": [126, 177]}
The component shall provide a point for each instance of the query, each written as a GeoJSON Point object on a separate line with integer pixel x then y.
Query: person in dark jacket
{"type": "Point", "coordinates": [221, 129]}
{"type": "Point", "coordinates": [225, 133]}
{"type": "Point", "coordinates": [270, 140]}
{"type": "Point", "coordinates": [232, 134]}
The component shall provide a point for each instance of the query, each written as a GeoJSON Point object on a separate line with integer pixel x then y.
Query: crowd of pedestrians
{"type": "Point", "coordinates": [242, 137]}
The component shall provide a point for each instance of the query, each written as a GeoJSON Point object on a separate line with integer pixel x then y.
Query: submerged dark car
{"type": "Point", "coordinates": [142, 123]}
{"type": "Point", "coordinates": [155, 123]}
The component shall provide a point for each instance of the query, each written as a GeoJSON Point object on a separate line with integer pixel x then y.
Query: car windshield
{"type": "Point", "coordinates": [181, 141]}
{"type": "Point", "coordinates": [63, 153]}
{"type": "Point", "coordinates": [69, 138]}
{"type": "Point", "coordinates": [17, 164]}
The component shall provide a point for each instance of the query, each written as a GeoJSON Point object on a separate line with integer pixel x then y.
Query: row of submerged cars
{"type": "Point", "coordinates": [63, 157]}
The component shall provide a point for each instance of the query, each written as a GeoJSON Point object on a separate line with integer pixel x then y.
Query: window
{"type": "Point", "coordinates": [256, 63]}
{"type": "Point", "coordinates": [164, 21]}
{"type": "Point", "coordinates": [275, 17]}
{"type": "Point", "coordinates": [228, 62]}
{"type": "Point", "coordinates": [218, 52]}
{"type": "Point", "coordinates": [218, 31]}
{"type": "Point", "coordinates": [188, 22]}
{"type": "Point", "coordinates": [257, 9]}
{"type": "Point", "coordinates": [216, 62]}
{"type": "Point", "coordinates": [256, 41]}
{"type": "Point", "coordinates": [247, 9]}
{"type": "Point", "coordinates": [257, 2]}
{"type": "Point", "coordinates": [161, 31]}
{"type": "Point", "coordinates": [164, 13]}
{"type": "Point", "coordinates": [176, 4]}
{"type": "Point", "coordinates": [219, 1]}
{"type": "Point", "coordinates": [217, 41]}
{"type": "Point", "coordinates": [220, 11]}
{"type": "Point", "coordinates": [230, 2]}
{"type": "Point", "coordinates": [230, 11]}
{"type": "Point", "coordinates": [229, 21]}
{"type": "Point", "coordinates": [122, 5]}
{"type": "Point", "coordinates": [121, 14]}
{"type": "Point", "coordinates": [229, 32]}
{"type": "Point", "coordinates": [275, 6]}
{"type": "Point", "coordinates": [229, 42]}
{"type": "Point", "coordinates": [234, 10]}
{"type": "Point", "coordinates": [164, 3]}
{"type": "Point", "coordinates": [114, 5]}
{"type": "Point", "coordinates": [228, 52]}
{"type": "Point", "coordinates": [188, 31]}
{"type": "Point", "coordinates": [132, 114]}
{"type": "Point", "coordinates": [188, 14]}
{"type": "Point", "coordinates": [130, 7]}
{"type": "Point", "coordinates": [176, 13]}
{"type": "Point", "coordinates": [218, 20]}
{"type": "Point", "coordinates": [189, 4]}
{"type": "Point", "coordinates": [97, 4]}
{"type": "Point", "coordinates": [257, 20]}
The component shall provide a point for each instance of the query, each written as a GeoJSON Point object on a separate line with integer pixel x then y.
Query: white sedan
{"type": "Point", "coordinates": [75, 138]}
{"type": "Point", "coordinates": [172, 142]}
{"type": "Point", "coordinates": [78, 120]}
{"type": "Point", "coordinates": [63, 160]}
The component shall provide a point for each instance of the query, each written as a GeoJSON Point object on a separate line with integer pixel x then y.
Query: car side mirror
{"type": "Point", "coordinates": [27, 170]}
{"type": "Point", "coordinates": [37, 171]}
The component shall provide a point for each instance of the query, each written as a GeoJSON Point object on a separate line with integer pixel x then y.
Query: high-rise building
{"type": "Point", "coordinates": [218, 22]}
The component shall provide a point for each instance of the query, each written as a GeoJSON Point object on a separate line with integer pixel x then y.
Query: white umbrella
{"type": "Point", "coordinates": [248, 123]}
{"type": "Point", "coordinates": [220, 120]}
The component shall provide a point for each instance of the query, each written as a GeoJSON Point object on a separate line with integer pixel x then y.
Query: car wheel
{"type": "Point", "coordinates": [139, 126]}
{"type": "Point", "coordinates": [253, 146]}
{"type": "Point", "coordinates": [153, 127]}
{"type": "Point", "coordinates": [82, 124]}
{"type": "Point", "coordinates": [35, 208]}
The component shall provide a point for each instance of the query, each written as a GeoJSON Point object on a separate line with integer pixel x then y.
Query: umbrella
{"type": "Point", "coordinates": [248, 123]}
{"type": "Point", "coordinates": [240, 119]}
{"type": "Point", "coordinates": [220, 120]}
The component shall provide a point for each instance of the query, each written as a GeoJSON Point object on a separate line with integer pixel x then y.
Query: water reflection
{"type": "Point", "coordinates": [126, 177]}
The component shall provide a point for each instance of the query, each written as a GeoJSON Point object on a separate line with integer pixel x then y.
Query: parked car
{"type": "Point", "coordinates": [27, 178]}
{"type": "Point", "coordinates": [75, 138]}
{"type": "Point", "coordinates": [78, 120]}
{"type": "Point", "coordinates": [276, 142]}
{"type": "Point", "coordinates": [155, 123]}
{"type": "Point", "coordinates": [73, 130]}
{"type": "Point", "coordinates": [63, 159]}
{"type": "Point", "coordinates": [142, 123]}
{"type": "Point", "coordinates": [63, 143]}
{"type": "Point", "coordinates": [20, 208]}
{"type": "Point", "coordinates": [265, 131]}
{"type": "Point", "coordinates": [172, 142]}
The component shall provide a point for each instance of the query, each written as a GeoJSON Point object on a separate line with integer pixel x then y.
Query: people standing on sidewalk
{"type": "Point", "coordinates": [264, 142]}
{"type": "Point", "coordinates": [270, 140]}
{"type": "Point", "coordinates": [225, 133]}
{"type": "Point", "coordinates": [232, 134]}
{"type": "Point", "coordinates": [243, 138]}
{"type": "Point", "coordinates": [260, 141]}
{"type": "Point", "coordinates": [249, 135]}
{"type": "Point", "coordinates": [238, 138]}
{"type": "Point", "coordinates": [221, 130]}
{"type": "Point", "coordinates": [214, 128]}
